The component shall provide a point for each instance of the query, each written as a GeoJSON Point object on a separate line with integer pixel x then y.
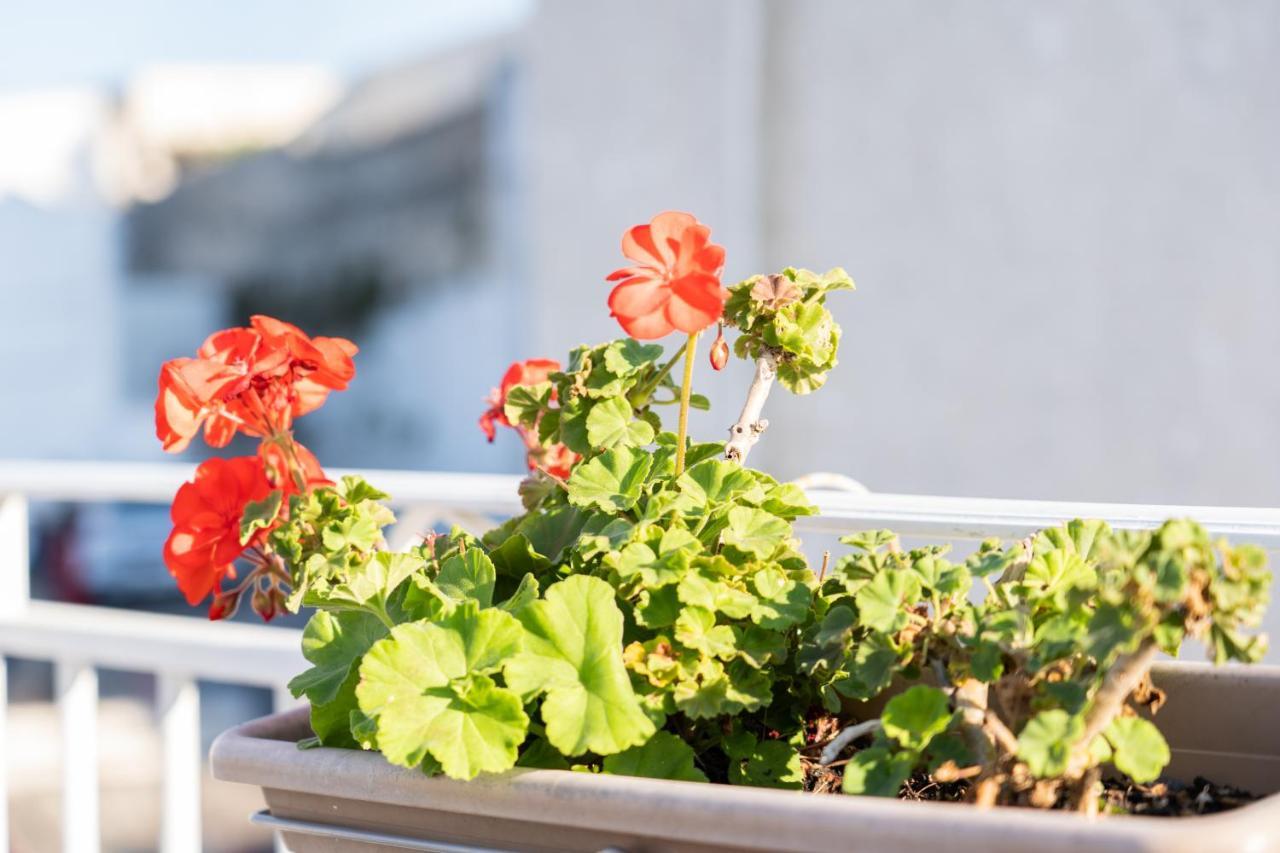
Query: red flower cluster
{"type": "Point", "coordinates": [675, 283]}
{"type": "Point", "coordinates": [556, 459]}
{"type": "Point", "coordinates": [255, 381]}
{"type": "Point", "coordinates": [206, 513]}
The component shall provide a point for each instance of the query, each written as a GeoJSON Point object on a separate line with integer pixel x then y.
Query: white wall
{"type": "Point", "coordinates": [1063, 220]}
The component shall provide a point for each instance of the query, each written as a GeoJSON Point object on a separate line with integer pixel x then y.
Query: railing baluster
{"type": "Point", "coordinates": [77, 687]}
{"type": "Point", "coordinates": [178, 702]}
{"type": "Point", "coordinates": [15, 565]}
{"type": "Point", "coordinates": [4, 753]}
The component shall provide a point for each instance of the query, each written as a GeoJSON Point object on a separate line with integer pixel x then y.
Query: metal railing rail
{"type": "Point", "coordinates": [80, 639]}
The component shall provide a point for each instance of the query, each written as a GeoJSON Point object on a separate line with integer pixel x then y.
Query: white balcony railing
{"type": "Point", "coordinates": [79, 639]}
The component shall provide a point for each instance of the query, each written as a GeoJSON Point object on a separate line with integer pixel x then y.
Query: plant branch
{"type": "Point", "coordinates": [1123, 677]}
{"type": "Point", "coordinates": [970, 699]}
{"type": "Point", "coordinates": [832, 750]}
{"type": "Point", "coordinates": [744, 434]}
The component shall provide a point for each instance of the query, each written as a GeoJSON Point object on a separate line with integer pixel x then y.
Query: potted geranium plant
{"type": "Point", "coordinates": [651, 615]}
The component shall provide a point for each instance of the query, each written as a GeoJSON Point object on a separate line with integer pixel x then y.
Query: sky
{"type": "Point", "coordinates": [46, 44]}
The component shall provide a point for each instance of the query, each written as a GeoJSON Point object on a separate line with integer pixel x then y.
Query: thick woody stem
{"type": "Point", "coordinates": [970, 699]}
{"type": "Point", "coordinates": [744, 434]}
{"type": "Point", "coordinates": [1124, 677]}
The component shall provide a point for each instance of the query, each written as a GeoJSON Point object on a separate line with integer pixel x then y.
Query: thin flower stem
{"type": "Point", "coordinates": [686, 387]}
{"type": "Point", "coordinates": [638, 397]}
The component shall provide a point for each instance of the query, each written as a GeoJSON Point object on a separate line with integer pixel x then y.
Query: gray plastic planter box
{"type": "Point", "coordinates": [1223, 723]}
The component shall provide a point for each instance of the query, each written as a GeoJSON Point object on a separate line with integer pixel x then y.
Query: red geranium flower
{"type": "Point", "coordinates": [675, 283]}
{"type": "Point", "coordinates": [289, 465]}
{"type": "Point", "coordinates": [206, 513]}
{"type": "Point", "coordinates": [532, 371]}
{"type": "Point", "coordinates": [557, 460]}
{"type": "Point", "coordinates": [252, 380]}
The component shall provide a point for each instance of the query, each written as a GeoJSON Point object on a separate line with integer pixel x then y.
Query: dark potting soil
{"type": "Point", "coordinates": [1171, 798]}
{"type": "Point", "coordinates": [1164, 798]}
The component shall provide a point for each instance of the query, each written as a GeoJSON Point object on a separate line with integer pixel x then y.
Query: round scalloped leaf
{"type": "Point", "coordinates": [425, 686]}
{"type": "Point", "coordinates": [1138, 749]}
{"type": "Point", "coordinates": [915, 716]}
{"type": "Point", "coordinates": [612, 481]}
{"type": "Point", "coordinates": [612, 423]}
{"type": "Point", "coordinates": [878, 772]}
{"type": "Point", "coordinates": [1046, 740]}
{"type": "Point", "coordinates": [663, 756]}
{"type": "Point", "coordinates": [573, 653]}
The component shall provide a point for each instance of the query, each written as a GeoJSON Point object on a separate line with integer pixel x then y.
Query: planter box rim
{"type": "Point", "coordinates": [263, 752]}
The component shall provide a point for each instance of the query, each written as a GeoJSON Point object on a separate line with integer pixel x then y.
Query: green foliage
{"type": "Point", "coordinates": [786, 315]}
{"type": "Point", "coordinates": [663, 756]}
{"type": "Point", "coordinates": [639, 622]}
{"type": "Point", "coordinates": [1073, 613]}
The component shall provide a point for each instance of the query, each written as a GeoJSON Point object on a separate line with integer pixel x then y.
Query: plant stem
{"type": "Point", "coordinates": [638, 396]}
{"type": "Point", "coordinates": [744, 434]}
{"type": "Point", "coordinates": [1124, 676]}
{"type": "Point", "coordinates": [686, 388]}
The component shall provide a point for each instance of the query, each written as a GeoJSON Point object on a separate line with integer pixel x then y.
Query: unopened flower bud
{"type": "Point", "coordinates": [224, 604]}
{"type": "Point", "coordinates": [262, 605]}
{"type": "Point", "coordinates": [719, 351]}
{"type": "Point", "coordinates": [278, 605]}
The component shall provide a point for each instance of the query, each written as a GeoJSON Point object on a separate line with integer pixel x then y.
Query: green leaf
{"type": "Point", "coordinates": [869, 540]}
{"type": "Point", "coordinates": [696, 628]}
{"type": "Point", "coordinates": [782, 601]}
{"type": "Point", "coordinates": [468, 575]}
{"type": "Point", "coordinates": [714, 482]}
{"type": "Point", "coordinates": [878, 771]}
{"type": "Point", "coordinates": [658, 608]}
{"type": "Point", "coordinates": [652, 569]}
{"type": "Point", "coordinates": [663, 756]}
{"type": "Point", "coordinates": [355, 490]}
{"type": "Point", "coordinates": [573, 653]}
{"type": "Point", "coordinates": [611, 481]}
{"type": "Point", "coordinates": [1053, 572]}
{"type": "Point", "coordinates": [870, 669]}
{"type": "Point", "coordinates": [1046, 740]}
{"type": "Point", "coordinates": [1112, 628]}
{"type": "Point", "coordinates": [703, 589]}
{"type": "Point", "coordinates": [612, 423]}
{"type": "Point", "coordinates": [883, 603]}
{"type": "Point", "coordinates": [369, 585]}
{"type": "Point", "coordinates": [357, 531]}
{"type": "Point", "coordinates": [760, 647]}
{"type": "Point", "coordinates": [526, 593]}
{"type": "Point", "coordinates": [1138, 749]}
{"type": "Point", "coordinates": [551, 533]}
{"type": "Point", "coordinates": [542, 755]}
{"type": "Point", "coordinates": [788, 501]}
{"type": "Point", "coordinates": [427, 687]}
{"type": "Point", "coordinates": [573, 425]}
{"type": "Point", "coordinates": [516, 556]}
{"type": "Point", "coordinates": [331, 720]}
{"type": "Point", "coordinates": [629, 355]}
{"type": "Point", "coordinates": [332, 642]}
{"type": "Point", "coordinates": [524, 403]}
{"type": "Point", "coordinates": [754, 532]}
{"type": "Point", "coordinates": [766, 764]}
{"type": "Point", "coordinates": [828, 642]}
{"type": "Point", "coordinates": [915, 716]}
{"type": "Point", "coordinates": [259, 515]}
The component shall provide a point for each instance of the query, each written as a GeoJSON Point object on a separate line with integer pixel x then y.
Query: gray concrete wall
{"type": "Point", "coordinates": [1063, 219]}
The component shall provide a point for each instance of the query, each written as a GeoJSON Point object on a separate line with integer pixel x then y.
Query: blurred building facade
{"type": "Point", "coordinates": [1061, 219]}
